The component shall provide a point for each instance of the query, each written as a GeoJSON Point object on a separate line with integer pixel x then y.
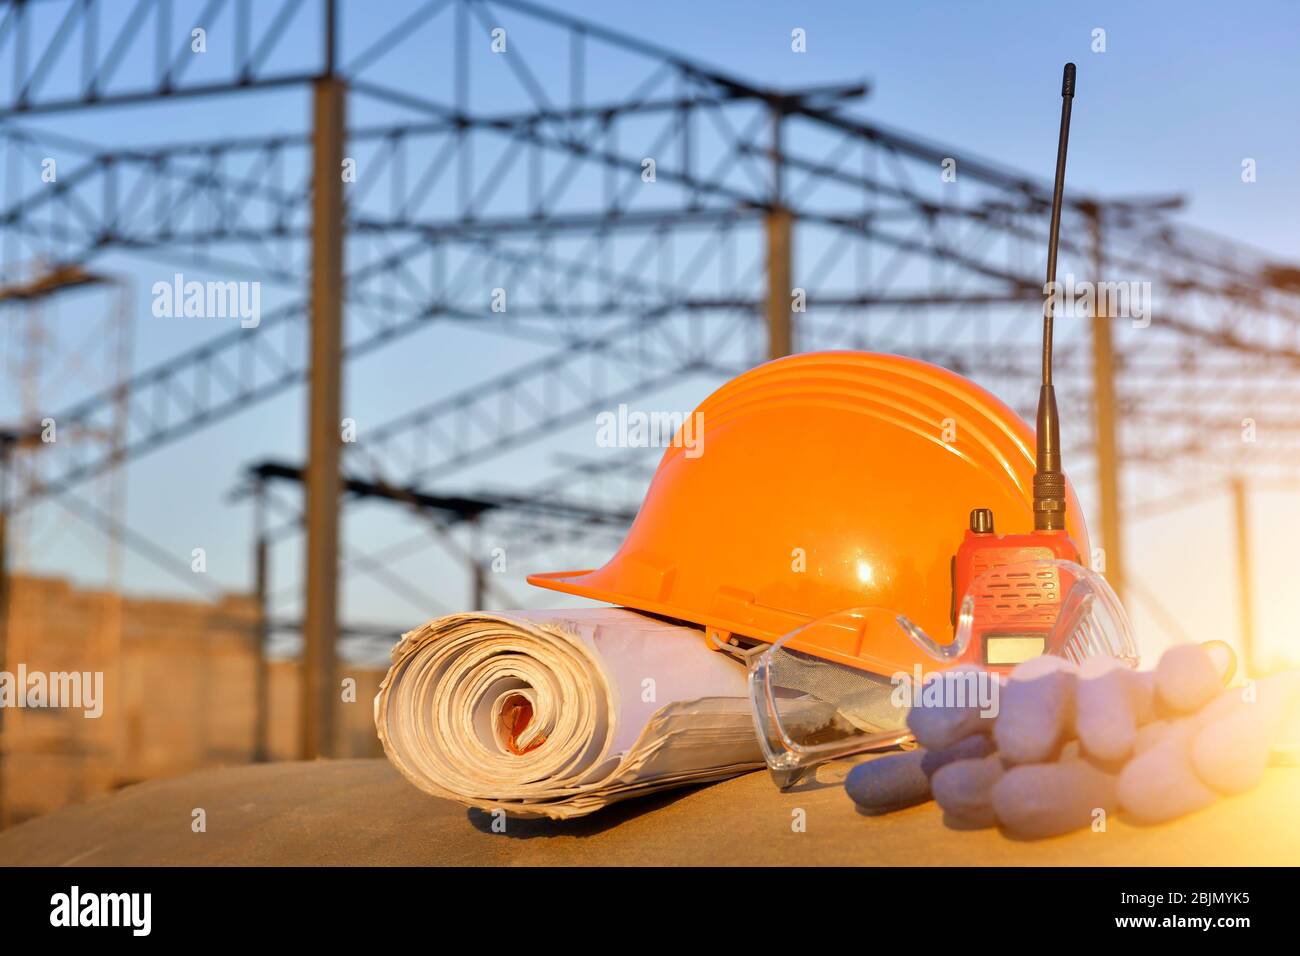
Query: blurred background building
{"type": "Point", "coordinates": [469, 228]}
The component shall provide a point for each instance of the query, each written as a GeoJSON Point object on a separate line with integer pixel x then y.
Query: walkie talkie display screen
{"type": "Point", "coordinates": [1009, 649]}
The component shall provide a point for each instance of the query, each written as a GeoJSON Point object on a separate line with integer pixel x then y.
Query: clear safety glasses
{"type": "Point", "coordinates": [837, 686]}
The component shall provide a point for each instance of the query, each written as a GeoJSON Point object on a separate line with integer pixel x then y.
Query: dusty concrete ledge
{"type": "Point", "coordinates": [362, 812]}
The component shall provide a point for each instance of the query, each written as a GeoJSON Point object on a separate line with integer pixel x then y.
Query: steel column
{"type": "Point", "coordinates": [320, 626]}
{"type": "Point", "coordinates": [4, 620]}
{"type": "Point", "coordinates": [261, 589]}
{"type": "Point", "coordinates": [1104, 424]}
{"type": "Point", "coordinates": [780, 336]}
{"type": "Point", "coordinates": [1245, 593]}
{"type": "Point", "coordinates": [780, 332]}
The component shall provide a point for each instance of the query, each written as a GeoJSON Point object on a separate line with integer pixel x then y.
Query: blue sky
{"type": "Point", "coordinates": [1183, 92]}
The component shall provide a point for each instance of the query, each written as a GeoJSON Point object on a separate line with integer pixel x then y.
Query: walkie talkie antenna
{"type": "Point", "coordinates": [1049, 481]}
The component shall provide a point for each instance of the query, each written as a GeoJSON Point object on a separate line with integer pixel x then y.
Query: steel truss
{"type": "Point", "coordinates": [539, 187]}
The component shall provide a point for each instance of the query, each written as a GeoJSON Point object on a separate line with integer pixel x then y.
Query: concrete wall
{"type": "Point", "coordinates": [179, 694]}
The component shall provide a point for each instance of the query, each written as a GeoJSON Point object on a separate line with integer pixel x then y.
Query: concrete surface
{"type": "Point", "coordinates": [354, 812]}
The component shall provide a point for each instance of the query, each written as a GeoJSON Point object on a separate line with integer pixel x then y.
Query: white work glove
{"type": "Point", "coordinates": [1073, 743]}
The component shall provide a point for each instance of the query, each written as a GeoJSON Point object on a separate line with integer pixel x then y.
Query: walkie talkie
{"type": "Point", "coordinates": [998, 642]}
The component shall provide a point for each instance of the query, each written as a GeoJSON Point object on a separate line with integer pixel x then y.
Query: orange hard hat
{"type": "Point", "coordinates": [816, 483]}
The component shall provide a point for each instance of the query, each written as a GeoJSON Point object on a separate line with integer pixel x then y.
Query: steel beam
{"type": "Point", "coordinates": [107, 29]}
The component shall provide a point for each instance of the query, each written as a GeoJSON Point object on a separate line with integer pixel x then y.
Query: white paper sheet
{"type": "Point", "coordinates": [622, 704]}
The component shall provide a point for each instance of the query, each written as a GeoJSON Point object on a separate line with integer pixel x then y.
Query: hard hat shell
{"type": "Point", "coordinates": [819, 482]}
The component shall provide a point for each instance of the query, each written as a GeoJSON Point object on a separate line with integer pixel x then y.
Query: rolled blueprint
{"type": "Point", "coordinates": [558, 713]}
